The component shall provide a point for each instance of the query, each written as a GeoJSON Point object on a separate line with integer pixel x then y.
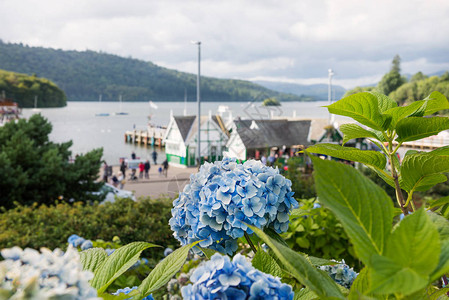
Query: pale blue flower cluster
{"type": "Point", "coordinates": [44, 275]}
{"type": "Point", "coordinates": [77, 241]}
{"type": "Point", "coordinates": [127, 290]}
{"type": "Point", "coordinates": [224, 196]}
{"type": "Point", "coordinates": [221, 278]}
{"type": "Point", "coordinates": [341, 273]}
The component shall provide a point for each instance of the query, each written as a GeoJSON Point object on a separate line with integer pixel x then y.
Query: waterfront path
{"type": "Point", "coordinates": [158, 185]}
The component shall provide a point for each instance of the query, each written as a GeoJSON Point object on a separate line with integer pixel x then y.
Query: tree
{"type": "Point", "coordinates": [393, 79]}
{"type": "Point", "coordinates": [34, 169]}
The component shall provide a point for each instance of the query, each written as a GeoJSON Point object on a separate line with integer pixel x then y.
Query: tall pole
{"type": "Point", "coordinates": [329, 92]}
{"type": "Point", "coordinates": [198, 100]}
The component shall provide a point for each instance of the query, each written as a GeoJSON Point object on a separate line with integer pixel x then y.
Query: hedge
{"type": "Point", "coordinates": [50, 226]}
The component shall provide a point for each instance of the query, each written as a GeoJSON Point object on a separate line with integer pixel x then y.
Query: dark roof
{"type": "Point", "coordinates": [184, 123]}
{"type": "Point", "coordinates": [272, 133]}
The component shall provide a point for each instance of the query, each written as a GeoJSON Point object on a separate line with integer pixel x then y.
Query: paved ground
{"type": "Point", "coordinates": [158, 184]}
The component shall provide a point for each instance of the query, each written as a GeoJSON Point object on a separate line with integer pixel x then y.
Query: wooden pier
{"type": "Point", "coordinates": [153, 136]}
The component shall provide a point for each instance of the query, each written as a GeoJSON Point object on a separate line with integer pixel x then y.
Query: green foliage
{"type": "Point", "coordinates": [420, 87]}
{"type": "Point", "coordinates": [301, 268]}
{"type": "Point", "coordinates": [314, 230]}
{"type": "Point", "coordinates": [86, 75]}
{"type": "Point", "coordinates": [111, 267]}
{"type": "Point", "coordinates": [393, 79]}
{"type": "Point", "coordinates": [50, 226]}
{"type": "Point", "coordinates": [271, 102]}
{"type": "Point", "coordinates": [265, 263]}
{"type": "Point", "coordinates": [36, 170]}
{"type": "Point", "coordinates": [165, 270]}
{"type": "Point", "coordinates": [23, 89]}
{"type": "Point", "coordinates": [362, 207]}
{"type": "Point", "coordinates": [404, 260]}
{"type": "Point", "coordinates": [359, 89]}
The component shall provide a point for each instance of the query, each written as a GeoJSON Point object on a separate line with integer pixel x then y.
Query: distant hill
{"type": "Point", "coordinates": [87, 74]}
{"type": "Point", "coordinates": [24, 89]}
{"type": "Point", "coordinates": [315, 91]}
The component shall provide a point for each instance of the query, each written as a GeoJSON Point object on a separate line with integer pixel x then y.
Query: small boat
{"type": "Point", "coordinates": [102, 115]}
{"type": "Point", "coordinates": [120, 113]}
{"type": "Point", "coordinates": [35, 109]}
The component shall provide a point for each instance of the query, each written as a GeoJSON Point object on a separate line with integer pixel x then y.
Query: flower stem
{"type": "Point", "coordinates": [250, 242]}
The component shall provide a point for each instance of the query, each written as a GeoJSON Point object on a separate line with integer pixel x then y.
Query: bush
{"type": "Point", "coordinates": [50, 226]}
{"type": "Point", "coordinates": [316, 231]}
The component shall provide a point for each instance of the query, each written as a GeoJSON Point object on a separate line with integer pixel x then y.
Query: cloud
{"type": "Point", "coordinates": [297, 40]}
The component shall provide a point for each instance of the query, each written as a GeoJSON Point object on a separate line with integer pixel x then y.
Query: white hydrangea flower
{"type": "Point", "coordinates": [30, 274]}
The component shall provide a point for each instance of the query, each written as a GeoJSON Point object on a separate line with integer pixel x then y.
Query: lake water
{"type": "Point", "coordinates": [78, 122]}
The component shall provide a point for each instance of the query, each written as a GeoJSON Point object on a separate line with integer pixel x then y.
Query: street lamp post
{"type": "Point", "coordinates": [198, 100]}
{"type": "Point", "coordinates": [329, 94]}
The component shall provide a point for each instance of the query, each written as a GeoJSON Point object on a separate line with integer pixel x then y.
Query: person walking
{"type": "Point", "coordinates": [105, 172]}
{"type": "Point", "coordinates": [121, 181]}
{"type": "Point", "coordinates": [154, 155]}
{"type": "Point", "coordinates": [133, 155]}
{"type": "Point", "coordinates": [147, 169]}
{"type": "Point", "coordinates": [165, 165]}
{"type": "Point", "coordinates": [123, 168]}
{"type": "Point", "coordinates": [141, 169]}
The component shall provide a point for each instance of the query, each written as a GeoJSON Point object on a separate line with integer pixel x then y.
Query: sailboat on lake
{"type": "Point", "coordinates": [120, 113]}
{"type": "Point", "coordinates": [35, 109]}
{"type": "Point", "coordinates": [101, 114]}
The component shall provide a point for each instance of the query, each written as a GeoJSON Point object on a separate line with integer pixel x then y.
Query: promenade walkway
{"type": "Point", "coordinates": [157, 185]}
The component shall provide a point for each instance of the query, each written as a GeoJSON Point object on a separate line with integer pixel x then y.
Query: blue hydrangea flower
{"type": "Point", "coordinates": [127, 290]}
{"type": "Point", "coordinates": [87, 244]}
{"type": "Point", "coordinates": [75, 240]}
{"type": "Point", "coordinates": [341, 274]}
{"type": "Point", "coordinates": [225, 196]}
{"type": "Point", "coordinates": [221, 278]}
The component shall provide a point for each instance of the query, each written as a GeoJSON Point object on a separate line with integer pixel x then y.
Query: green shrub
{"type": "Point", "coordinates": [50, 226]}
{"type": "Point", "coordinates": [316, 231]}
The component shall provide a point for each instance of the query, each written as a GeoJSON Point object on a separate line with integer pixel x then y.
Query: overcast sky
{"type": "Point", "coordinates": [290, 40]}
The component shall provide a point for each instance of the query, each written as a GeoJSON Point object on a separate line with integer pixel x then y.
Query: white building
{"type": "Point", "coordinates": [182, 135]}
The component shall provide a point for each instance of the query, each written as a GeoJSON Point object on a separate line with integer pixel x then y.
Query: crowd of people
{"type": "Point", "coordinates": [135, 164]}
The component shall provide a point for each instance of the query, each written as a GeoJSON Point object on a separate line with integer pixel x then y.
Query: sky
{"type": "Point", "coordinates": [295, 41]}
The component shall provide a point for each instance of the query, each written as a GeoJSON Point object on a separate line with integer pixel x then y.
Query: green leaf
{"type": "Point", "coordinates": [208, 252]}
{"type": "Point", "coordinates": [274, 235]}
{"type": "Point", "coordinates": [265, 263]}
{"type": "Point", "coordinates": [415, 128]}
{"type": "Point", "coordinates": [300, 268]}
{"type": "Point", "coordinates": [361, 286]}
{"type": "Point", "coordinates": [442, 225]}
{"type": "Point", "coordinates": [117, 263]}
{"type": "Point", "coordinates": [385, 102]}
{"type": "Point", "coordinates": [370, 158]}
{"type": "Point", "coordinates": [416, 109]}
{"type": "Point", "coordinates": [304, 294]}
{"type": "Point", "coordinates": [412, 253]}
{"type": "Point", "coordinates": [354, 131]}
{"type": "Point", "coordinates": [362, 107]}
{"type": "Point", "coordinates": [385, 176]}
{"type": "Point", "coordinates": [164, 271]}
{"type": "Point", "coordinates": [106, 296]}
{"type": "Point", "coordinates": [391, 277]}
{"type": "Point", "coordinates": [416, 167]}
{"type": "Point", "coordinates": [441, 292]}
{"type": "Point", "coordinates": [439, 202]}
{"type": "Point", "coordinates": [429, 181]}
{"type": "Point", "coordinates": [363, 208]}
{"type": "Point", "coordinates": [415, 243]}
{"type": "Point", "coordinates": [436, 101]}
{"type": "Point", "coordinates": [92, 258]}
